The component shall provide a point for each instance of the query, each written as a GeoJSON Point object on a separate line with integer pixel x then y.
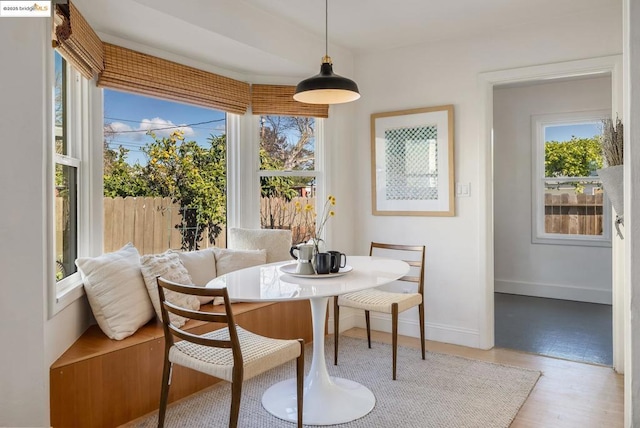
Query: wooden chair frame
{"type": "Point", "coordinates": [226, 318]}
{"type": "Point", "coordinates": [394, 306]}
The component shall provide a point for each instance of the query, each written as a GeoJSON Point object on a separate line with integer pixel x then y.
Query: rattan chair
{"type": "Point", "coordinates": [393, 303]}
{"type": "Point", "coordinates": [231, 353]}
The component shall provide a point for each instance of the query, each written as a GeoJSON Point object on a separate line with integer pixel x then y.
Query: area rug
{"type": "Point", "coordinates": [441, 391]}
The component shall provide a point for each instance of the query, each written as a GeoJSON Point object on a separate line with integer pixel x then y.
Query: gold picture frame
{"type": "Point", "coordinates": [412, 162]}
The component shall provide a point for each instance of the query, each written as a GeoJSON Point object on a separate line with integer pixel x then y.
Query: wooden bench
{"type": "Point", "coordinates": [99, 382]}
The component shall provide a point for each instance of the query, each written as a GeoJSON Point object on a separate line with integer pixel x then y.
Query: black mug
{"type": "Point", "coordinates": [323, 263]}
{"type": "Point", "coordinates": [338, 260]}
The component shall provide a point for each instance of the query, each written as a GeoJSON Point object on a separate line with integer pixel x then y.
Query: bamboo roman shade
{"type": "Point", "coordinates": [128, 70]}
{"type": "Point", "coordinates": [136, 72]}
{"type": "Point", "coordinates": [77, 41]}
{"type": "Point", "coordinates": [278, 100]}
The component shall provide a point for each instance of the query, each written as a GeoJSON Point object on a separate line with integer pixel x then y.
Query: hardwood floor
{"type": "Point", "coordinates": [567, 395]}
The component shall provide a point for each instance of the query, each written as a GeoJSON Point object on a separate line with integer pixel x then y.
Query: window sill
{"type": "Point", "coordinates": [68, 291]}
{"type": "Point", "coordinates": [571, 240]}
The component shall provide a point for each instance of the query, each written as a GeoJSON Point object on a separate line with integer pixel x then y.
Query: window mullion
{"type": "Point", "coordinates": [66, 160]}
{"type": "Point", "coordinates": [287, 173]}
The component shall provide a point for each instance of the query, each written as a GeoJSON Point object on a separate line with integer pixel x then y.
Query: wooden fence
{"type": "Point", "coordinates": [573, 214]}
{"type": "Point", "coordinates": [297, 215]}
{"type": "Point", "coordinates": [149, 223]}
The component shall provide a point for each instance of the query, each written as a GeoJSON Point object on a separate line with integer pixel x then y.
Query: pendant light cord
{"type": "Point", "coordinates": [326, 27]}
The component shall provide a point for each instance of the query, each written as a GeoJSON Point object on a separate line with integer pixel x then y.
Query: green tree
{"type": "Point", "coordinates": [278, 187]}
{"type": "Point", "coordinates": [120, 178]}
{"type": "Point", "coordinates": [195, 178]}
{"type": "Point", "coordinates": [578, 157]}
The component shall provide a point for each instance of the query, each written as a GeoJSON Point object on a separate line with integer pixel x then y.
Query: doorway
{"type": "Point", "coordinates": [569, 70]}
{"type": "Point", "coordinates": [549, 213]}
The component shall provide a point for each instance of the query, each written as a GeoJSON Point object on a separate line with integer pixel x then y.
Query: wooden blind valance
{"type": "Point", "coordinates": [278, 100]}
{"type": "Point", "coordinates": [139, 73]}
{"type": "Point", "coordinates": [77, 41]}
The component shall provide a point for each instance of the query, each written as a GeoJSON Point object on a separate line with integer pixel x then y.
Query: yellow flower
{"type": "Point", "coordinates": [308, 207]}
{"type": "Point", "coordinates": [326, 213]}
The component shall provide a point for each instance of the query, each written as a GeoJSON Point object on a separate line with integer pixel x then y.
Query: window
{"type": "Point", "coordinates": [289, 173]}
{"type": "Point", "coordinates": [67, 163]}
{"type": "Point", "coordinates": [71, 180]}
{"type": "Point", "coordinates": [569, 206]}
{"type": "Point", "coordinates": [165, 174]}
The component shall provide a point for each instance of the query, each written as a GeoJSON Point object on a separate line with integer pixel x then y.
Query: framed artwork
{"type": "Point", "coordinates": [412, 162]}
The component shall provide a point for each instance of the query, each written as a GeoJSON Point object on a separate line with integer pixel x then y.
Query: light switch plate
{"type": "Point", "coordinates": [463, 190]}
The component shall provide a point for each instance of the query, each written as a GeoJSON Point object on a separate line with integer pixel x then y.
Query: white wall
{"type": "Point", "coordinates": [447, 73]}
{"type": "Point", "coordinates": [23, 389]}
{"type": "Point", "coordinates": [571, 272]}
{"type": "Point", "coordinates": [29, 341]}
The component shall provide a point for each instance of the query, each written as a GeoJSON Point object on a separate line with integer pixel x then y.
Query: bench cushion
{"type": "Point", "coordinates": [201, 265]}
{"type": "Point", "coordinates": [276, 242]}
{"type": "Point", "coordinates": [229, 260]}
{"type": "Point", "coordinates": [168, 266]}
{"type": "Point", "coordinates": [116, 291]}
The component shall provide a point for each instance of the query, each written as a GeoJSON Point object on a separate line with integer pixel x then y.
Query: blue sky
{"type": "Point", "coordinates": [565, 132]}
{"type": "Point", "coordinates": [132, 115]}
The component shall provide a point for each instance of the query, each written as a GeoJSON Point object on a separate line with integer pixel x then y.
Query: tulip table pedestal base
{"type": "Point", "coordinates": [327, 400]}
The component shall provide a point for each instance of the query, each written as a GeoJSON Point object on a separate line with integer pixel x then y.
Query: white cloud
{"type": "Point", "coordinates": [116, 127]}
{"type": "Point", "coordinates": [163, 128]}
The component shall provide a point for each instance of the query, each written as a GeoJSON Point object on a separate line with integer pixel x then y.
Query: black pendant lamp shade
{"type": "Point", "coordinates": [326, 87]}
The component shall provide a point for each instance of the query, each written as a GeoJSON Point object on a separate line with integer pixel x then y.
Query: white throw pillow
{"type": "Point", "coordinates": [277, 242]}
{"type": "Point", "coordinates": [168, 266]}
{"type": "Point", "coordinates": [228, 260]}
{"type": "Point", "coordinates": [201, 266]}
{"type": "Point", "coordinates": [116, 291]}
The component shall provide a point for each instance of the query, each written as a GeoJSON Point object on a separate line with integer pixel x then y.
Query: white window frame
{"type": "Point", "coordinates": [538, 125]}
{"type": "Point", "coordinates": [317, 172]}
{"type": "Point", "coordinates": [83, 128]}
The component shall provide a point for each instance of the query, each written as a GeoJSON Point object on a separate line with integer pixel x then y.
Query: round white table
{"type": "Point", "coordinates": [327, 400]}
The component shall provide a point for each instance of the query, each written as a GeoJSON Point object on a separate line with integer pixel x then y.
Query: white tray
{"type": "Point", "coordinates": [290, 269]}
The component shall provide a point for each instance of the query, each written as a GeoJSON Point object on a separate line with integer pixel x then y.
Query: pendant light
{"type": "Point", "coordinates": [326, 87]}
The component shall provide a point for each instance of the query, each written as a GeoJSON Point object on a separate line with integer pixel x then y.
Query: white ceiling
{"type": "Point", "coordinates": [286, 37]}
{"type": "Point", "coordinates": [372, 25]}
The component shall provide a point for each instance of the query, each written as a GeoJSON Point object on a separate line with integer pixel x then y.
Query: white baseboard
{"type": "Point", "coordinates": [553, 291]}
{"type": "Point", "coordinates": [409, 327]}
